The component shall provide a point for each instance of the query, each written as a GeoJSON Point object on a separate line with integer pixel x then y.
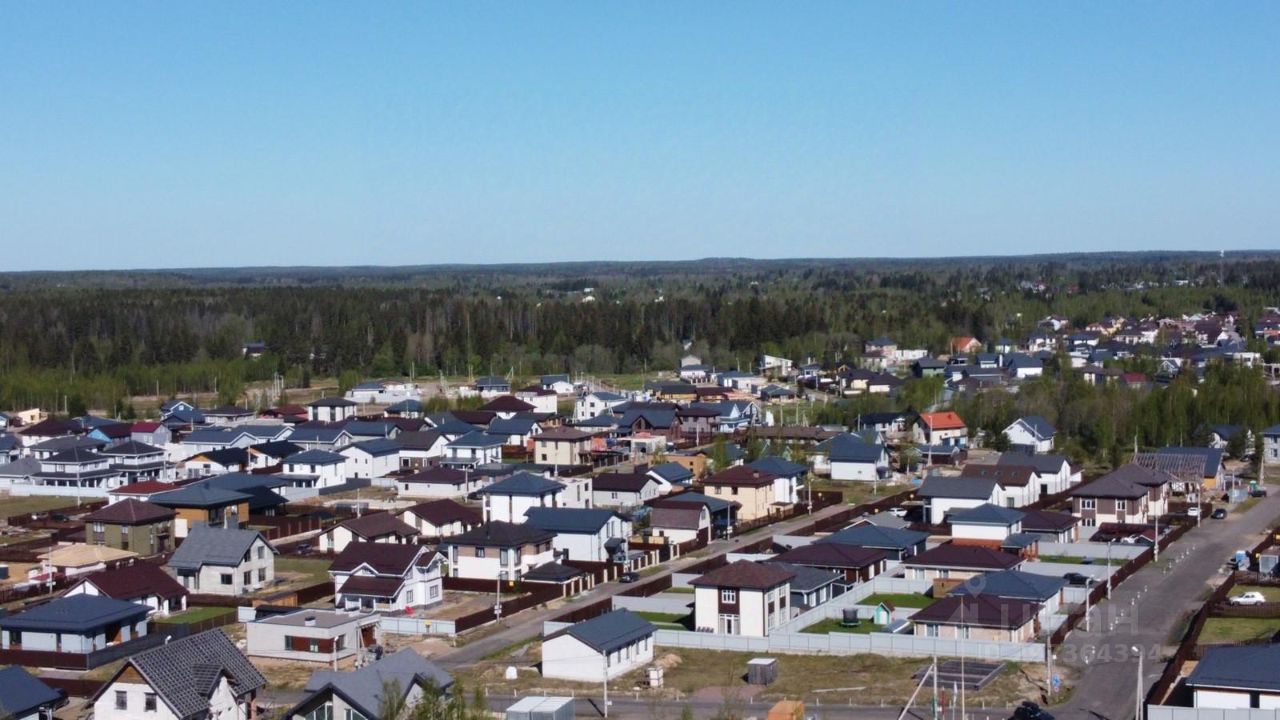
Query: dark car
{"type": "Point", "coordinates": [1260, 492]}
{"type": "Point", "coordinates": [1030, 711]}
{"type": "Point", "coordinates": [628, 577]}
{"type": "Point", "coordinates": [1219, 514]}
{"type": "Point", "coordinates": [59, 517]}
{"type": "Point", "coordinates": [303, 548]}
{"type": "Point", "coordinates": [1079, 579]}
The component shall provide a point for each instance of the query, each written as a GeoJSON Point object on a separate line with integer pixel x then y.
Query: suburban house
{"type": "Point", "coordinates": [1194, 467]}
{"type": "Point", "coordinates": [950, 561]}
{"type": "Point", "coordinates": [143, 583]}
{"type": "Point", "coordinates": [811, 586]}
{"type": "Point", "coordinates": [758, 493]}
{"type": "Point", "coordinates": [331, 410]}
{"type": "Point", "coordinates": [1051, 526]}
{"type": "Point", "coordinates": [310, 635]}
{"type": "Point", "coordinates": [315, 469]}
{"type": "Point", "coordinates": [851, 458]}
{"type": "Point", "coordinates": [685, 516]}
{"type": "Point", "coordinates": [75, 625]}
{"type": "Point", "coordinates": [418, 447]}
{"type": "Point", "coordinates": [371, 458]}
{"type": "Point", "coordinates": [1044, 590]}
{"type": "Point", "coordinates": [565, 446]}
{"type": "Point", "coordinates": [587, 534]}
{"type": "Point", "coordinates": [24, 697]}
{"type": "Point", "coordinates": [136, 460]}
{"type": "Point", "coordinates": [594, 404]}
{"type": "Point", "coordinates": [191, 678]}
{"type": "Point", "coordinates": [439, 482]}
{"type": "Point", "coordinates": [670, 475]}
{"type": "Point", "coordinates": [135, 525]}
{"type": "Point", "coordinates": [471, 450]}
{"type": "Point", "coordinates": [1016, 485]}
{"type": "Point", "coordinates": [1128, 495]}
{"type": "Point", "coordinates": [224, 561]}
{"type": "Point", "coordinates": [499, 551]}
{"type": "Point", "coordinates": [941, 428]}
{"type": "Point", "coordinates": [213, 462]}
{"type": "Point", "coordinates": [362, 693]}
{"type": "Point", "coordinates": [374, 576]}
{"type": "Point", "coordinates": [383, 392]}
{"type": "Point", "coordinates": [379, 527]}
{"type": "Point", "coordinates": [623, 490]}
{"type": "Point", "coordinates": [320, 438]}
{"type": "Point", "coordinates": [943, 495]}
{"type": "Point", "coordinates": [271, 454]}
{"type": "Point", "coordinates": [604, 647]}
{"type": "Point", "coordinates": [508, 499]}
{"type": "Point", "coordinates": [988, 525]}
{"type": "Point", "coordinates": [1031, 433]}
{"type": "Point", "coordinates": [898, 543]}
{"type": "Point", "coordinates": [202, 504]}
{"type": "Point", "coordinates": [853, 563]}
{"type": "Point", "coordinates": [742, 598]}
{"type": "Point", "coordinates": [979, 617]}
{"type": "Point", "coordinates": [440, 518]}
{"type": "Point", "coordinates": [1052, 473]}
{"type": "Point", "coordinates": [1236, 677]}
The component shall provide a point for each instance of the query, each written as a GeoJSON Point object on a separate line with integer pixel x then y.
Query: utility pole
{"type": "Point", "coordinates": [606, 684]}
{"type": "Point", "coordinates": [1137, 697]}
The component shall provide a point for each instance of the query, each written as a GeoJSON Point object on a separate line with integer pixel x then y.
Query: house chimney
{"type": "Point", "coordinates": [309, 621]}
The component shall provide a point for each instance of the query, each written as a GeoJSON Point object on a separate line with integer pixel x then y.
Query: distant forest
{"type": "Point", "coordinates": [95, 338]}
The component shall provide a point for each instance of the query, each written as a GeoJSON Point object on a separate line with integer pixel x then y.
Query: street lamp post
{"type": "Point", "coordinates": [1137, 697]}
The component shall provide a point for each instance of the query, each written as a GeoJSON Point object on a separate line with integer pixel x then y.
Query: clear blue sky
{"type": "Point", "coordinates": [219, 133]}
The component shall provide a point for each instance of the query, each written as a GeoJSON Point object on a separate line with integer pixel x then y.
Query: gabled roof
{"type": "Point", "coordinates": [507, 404]}
{"type": "Point", "coordinates": [874, 536]}
{"type": "Point", "coordinates": [444, 512]}
{"type": "Point", "coordinates": [184, 673]}
{"type": "Point", "coordinates": [317, 435]}
{"type": "Point", "coordinates": [563, 434]}
{"type": "Point", "coordinates": [553, 572]}
{"type": "Point", "coordinates": [741, 476]}
{"type": "Point", "coordinates": [1014, 584]}
{"type": "Point", "coordinates": [333, 402]}
{"type": "Point", "coordinates": [78, 455]}
{"type": "Point", "coordinates": [1005, 475]}
{"type": "Point", "coordinates": [832, 555]}
{"type": "Point", "coordinates": [1111, 485]}
{"type": "Point", "coordinates": [436, 476]}
{"type": "Point", "coordinates": [418, 439]}
{"type": "Point", "coordinates": [523, 483]}
{"type": "Point", "coordinates": [978, 611]}
{"type": "Point", "coordinates": [136, 581]}
{"type": "Point", "coordinates": [277, 449]}
{"type": "Point", "coordinates": [363, 689]}
{"type": "Point", "coordinates": [971, 488]}
{"type": "Point", "coordinates": [377, 447]}
{"type": "Point", "coordinates": [225, 457]}
{"type": "Point", "coordinates": [973, 557]}
{"type": "Point", "coordinates": [608, 632]}
{"type": "Point", "coordinates": [1211, 458]}
{"type": "Point", "coordinates": [378, 525]}
{"type": "Point", "coordinates": [778, 466]}
{"type": "Point", "coordinates": [744, 574]}
{"type": "Point", "coordinates": [205, 545]}
{"type": "Point", "coordinates": [130, 512]}
{"type": "Point", "coordinates": [370, 428]}
{"type": "Point", "coordinates": [75, 614]}
{"type": "Point", "coordinates": [672, 472]}
{"type": "Point", "coordinates": [316, 457]}
{"type": "Point", "coordinates": [676, 517]}
{"type": "Point", "coordinates": [382, 558]}
{"type": "Point", "coordinates": [1241, 667]}
{"type": "Point", "coordinates": [22, 694]}
{"type": "Point", "coordinates": [131, 447]}
{"type": "Point", "coordinates": [569, 520]}
{"type": "Point", "coordinates": [942, 421]}
{"type": "Point", "coordinates": [477, 439]}
{"type": "Point", "coordinates": [502, 534]}
{"type": "Point", "coordinates": [985, 514]}
{"type": "Point", "coordinates": [200, 495]}
{"type": "Point", "coordinates": [621, 482]}
{"type": "Point", "coordinates": [1047, 521]}
{"type": "Point", "coordinates": [512, 426]}
{"type": "Point", "coordinates": [713, 504]}
{"type": "Point", "coordinates": [851, 448]}
{"type": "Point", "coordinates": [1044, 464]}
{"type": "Point", "coordinates": [808, 579]}
{"type": "Point", "coordinates": [1040, 428]}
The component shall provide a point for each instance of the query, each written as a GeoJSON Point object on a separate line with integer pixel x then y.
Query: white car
{"type": "Point", "coordinates": [898, 512]}
{"type": "Point", "coordinates": [1193, 511]}
{"type": "Point", "coordinates": [1249, 598]}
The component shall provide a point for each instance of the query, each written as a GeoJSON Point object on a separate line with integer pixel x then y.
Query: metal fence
{"type": "Point", "coordinates": [855, 644]}
{"type": "Point", "coordinates": [1168, 712]}
{"type": "Point", "coordinates": [416, 626]}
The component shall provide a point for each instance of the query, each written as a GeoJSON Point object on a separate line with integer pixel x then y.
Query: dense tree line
{"type": "Point", "coordinates": [103, 337]}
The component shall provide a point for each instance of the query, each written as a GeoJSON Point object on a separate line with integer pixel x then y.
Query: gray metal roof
{"type": "Point", "coordinates": [609, 632]}
{"type": "Point", "coordinates": [851, 448]}
{"type": "Point", "coordinates": [1012, 584]}
{"type": "Point", "coordinates": [363, 688]}
{"type": "Point", "coordinates": [184, 673]}
{"type": "Point", "coordinates": [74, 614]}
{"type": "Point", "coordinates": [1243, 667]}
{"type": "Point", "coordinates": [569, 520]}
{"type": "Point", "coordinates": [985, 514]}
{"type": "Point", "coordinates": [523, 483]}
{"type": "Point", "coordinates": [970, 488]}
{"type": "Point", "coordinates": [22, 693]}
{"type": "Point", "coordinates": [315, 457]}
{"type": "Point", "coordinates": [206, 545]}
{"type": "Point", "coordinates": [874, 536]}
{"type": "Point", "coordinates": [476, 439]}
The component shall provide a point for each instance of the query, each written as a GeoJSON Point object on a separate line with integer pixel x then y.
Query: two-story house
{"type": "Point", "coordinates": [509, 498]}
{"type": "Point", "coordinates": [589, 534]}
{"type": "Point", "coordinates": [380, 527]}
{"type": "Point", "coordinates": [499, 551]}
{"type": "Point", "coordinates": [742, 598]}
{"type": "Point", "coordinates": [224, 561]}
{"type": "Point", "coordinates": [375, 576]}
{"type": "Point", "coordinates": [143, 527]}
{"type": "Point", "coordinates": [564, 446]}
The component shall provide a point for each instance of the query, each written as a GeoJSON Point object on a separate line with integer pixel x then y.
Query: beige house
{"type": "Point", "coordinates": [562, 446]}
{"type": "Point", "coordinates": [224, 561]}
{"type": "Point", "coordinates": [752, 489]}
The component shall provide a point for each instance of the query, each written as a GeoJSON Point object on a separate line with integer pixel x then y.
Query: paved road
{"type": "Point", "coordinates": [1145, 610]}
{"type": "Point", "coordinates": [528, 624]}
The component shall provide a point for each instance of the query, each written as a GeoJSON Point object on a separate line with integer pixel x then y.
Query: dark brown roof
{"type": "Point", "coordinates": [139, 580]}
{"type": "Point", "coordinates": [507, 403]}
{"type": "Point", "coordinates": [567, 434]}
{"type": "Point", "coordinates": [131, 512]}
{"type": "Point", "coordinates": [623, 482]}
{"type": "Point", "coordinates": [418, 439]}
{"type": "Point", "coordinates": [384, 558]}
{"type": "Point", "coordinates": [502, 534]}
{"type": "Point", "coordinates": [373, 586]}
{"type": "Point", "coordinates": [474, 417]}
{"type": "Point", "coordinates": [1006, 475]}
{"type": "Point", "coordinates": [1033, 520]}
{"type": "Point", "coordinates": [964, 556]}
{"type": "Point", "coordinates": [978, 610]}
{"type": "Point", "coordinates": [745, 574]}
{"type": "Point", "coordinates": [742, 476]}
{"type": "Point", "coordinates": [436, 476]}
{"type": "Point", "coordinates": [832, 555]}
{"type": "Point", "coordinates": [379, 525]}
{"type": "Point", "coordinates": [684, 516]}
{"type": "Point", "coordinates": [443, 512]}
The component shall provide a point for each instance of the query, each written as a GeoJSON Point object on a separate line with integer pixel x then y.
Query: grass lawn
{"type": "Point", "coordinates": [10, 506]}
{"type": "Point", "coordinates": [1246, 504]}
{"type": "Point", "coordinates": [685, 589]}
{"type": "Point", "coordinates": [195, 615]}
{"type": "Point", "coordinates": [1238, 630]}
{"type": "Point", "coordinates": [902, 600]}
{"type": "Point", "coordinates": [1070, 559]}
{"type": "Point", "coordinates": [671, 621]}
{"type": "Point", "coordinates": [1272, 594]}
{"type": "Point", "coordinates": [317, 568]}
{"type": "Point", "coordinates": [856, 493]}
{"type": "Point", "coordinates": [832, 625]}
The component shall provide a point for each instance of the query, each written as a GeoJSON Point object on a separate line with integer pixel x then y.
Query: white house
{"type": "Point", "coordinates": [142, 582]}
{"type": "Point", "coordinates": [315, 469]}
{"type": "Point", "coordinates": [440, 518]}
{"type": "Point", "coordinates": [624, 490]}
{"type": "Point", "coordinates": [742, 598]}
{"type": "Point", "coordinates": [942, 495]}
{"type": "Point", "coordinates": [1236, 678]}
{"type": "Point", "coordinates": [507, 500]}
{"type": "Point", "coordinates": [374, 576]}
{"type": "Point", "coordinates": [606, 646]}
{"type": "Point", "coordinates": [371, 458]}
{"type": "Point", "coordinates": [985, 524]}
{"type": "Point", "coordinates": [499, 551]}
{"type": "Point", "coordinates": [596, 403]}
{"type": "Point", "coordinates": [380, 527]}
{"type": "Point", "coordinates": [383, 392]}
{"type": "Point", "coordinates": [439, 482]}
{"type": "Point", "coordinates": [589, 534]}
{"type": "Point", "coordinates": [224, 561]}
{"type": "Point", "coordinates": [1032, 432]}
{"type": "Point", "coordinates": [331, 410]}
{"type": "Point", "coordinates": [471, 450]}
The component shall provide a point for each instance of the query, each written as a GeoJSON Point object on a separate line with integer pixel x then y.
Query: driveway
{"type": "Point", "coordinates": [1146, 609]}
{"type": "Point", "coordinates": [528, 624]}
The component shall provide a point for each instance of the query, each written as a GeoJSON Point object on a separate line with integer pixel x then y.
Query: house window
{"type": "Point", "coordinates": [262, 552]}
{"type": "Point", "coordinates": [728, 596]}
{"type": "Point", "coordinates": [353, 715]}
{"type": "Point", "coordinates": [479, 552]}
{"type": "Point", "coordinates": [149, 702]}
{"type": "Point", "coordinates": [504, 557]}
{"type": "Point", "coordinates": [324, 712]}
{"type": "Point", "coordinates": [408, 597]}
{"type": "Point", "coordinates": [314, 645]}
{"type": "Point", "coordinates": [225, 578]}
{"type": "Point", "coordinates": [931, 631]}
{"type": "Point", "coordinates": [433, 592]}
{"type": "Point", "coordinates": [122, 700]}
{"type": "Point", "coordinates": [1088, 503]}
{"type": "Point", "coordinates": [1122, 505]}
{"type": "Point", "coordinates": [262, 575]}
{"type": "Point", "coordinates": [248, 577]}
{"type": "Point", "coordinates": [1089, 522]}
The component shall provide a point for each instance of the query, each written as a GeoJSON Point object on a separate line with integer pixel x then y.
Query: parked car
{"type": "Point", "coordinates": [628, 577]}
{"type": "Point", "coordinates": [898, 512]}
{"type": "Point", "coordinates": [1219, 513]}
{"type": "Point", "coordinates": [1193, 511]}
{"type": "Point", "coordinates": [1030, 711]}
{"type": "Point", "coordinates": [304, 548]}
{"type": "Point", "coordinates": [60, 517]}
{"type": "Point", "coordinates": [1079, 579]}
{"type": "Point", "coordinates": [1260, 492]}
{"type": "Point", "coordinates": [1249, 598]}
